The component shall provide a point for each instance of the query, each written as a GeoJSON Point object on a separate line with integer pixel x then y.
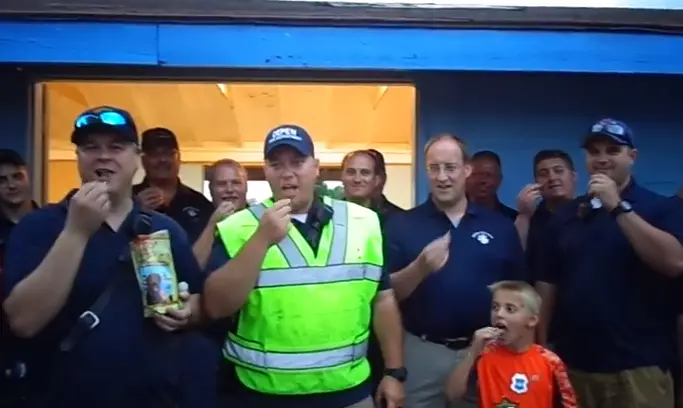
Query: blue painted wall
{"type": "Point", "coordinates": [355, 48]}
{"type": "Point", "coordinates": [518, 114]}
{"type": "Point", "coordinates": [513, 113]}
{"type": "Point", "coordinates": [14, 113]}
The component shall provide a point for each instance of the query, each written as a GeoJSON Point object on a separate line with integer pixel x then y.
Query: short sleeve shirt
{"type": "Point", "coordinates": [536, 378]}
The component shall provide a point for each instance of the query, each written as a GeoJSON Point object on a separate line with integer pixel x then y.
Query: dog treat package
{"type": "Point", "coordinates": [156, 273]}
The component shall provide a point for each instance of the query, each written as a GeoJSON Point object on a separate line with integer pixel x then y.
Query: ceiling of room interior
{"type": "Point", "coordinates": [213, 115]}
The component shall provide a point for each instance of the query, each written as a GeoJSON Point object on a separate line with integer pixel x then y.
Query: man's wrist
{"type": "Point", "coordinates": [398, 373]}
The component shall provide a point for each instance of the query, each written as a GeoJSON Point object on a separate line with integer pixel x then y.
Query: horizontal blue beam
{"type": "Point", "coordinates": [352, 48]}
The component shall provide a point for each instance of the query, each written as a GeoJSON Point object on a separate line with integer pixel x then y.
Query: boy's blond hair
{"type": "Point", "coordinates": [531, 300]}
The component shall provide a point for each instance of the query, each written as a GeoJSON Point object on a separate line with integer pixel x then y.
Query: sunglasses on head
{"type": "Point", "coordinates": [612, 128]}
{"type": "Point", "coordinates": [110, 118]}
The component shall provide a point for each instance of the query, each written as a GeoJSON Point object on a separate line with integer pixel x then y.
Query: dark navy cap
{"type": "Point", "coordinates": [104, 119]}
{"type": "Point", "coordinates": [159, 138]}
{"type": "Point", "coordinates": [9, 156]}
{"type": "Point", "coordinates": [293, 136]}
{"type": "Point", "coordinates": [618, 131]}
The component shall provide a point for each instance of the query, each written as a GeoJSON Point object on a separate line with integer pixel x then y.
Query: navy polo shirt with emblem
{"type": "Point", "coordinates": [454, 301]}
{"type": "Point", "coordinates": [248, 397]}
{"type": "Point", "coordinates": [126, 361]}
{"type": "Point", "coordinates": [189, 208]}
{"type": "Point", "coordinates": [612, 311]}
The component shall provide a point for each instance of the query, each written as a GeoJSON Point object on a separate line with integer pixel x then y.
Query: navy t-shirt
{"type": "Point", "coordinates": [454, 301]}
{"type": "Point", "coordinates": [189, 208]}
{"type": "Point", "coordinates": [126, 359]}
{"type": "Point", "coordinates": [248, 397]}
{"type": "Point", "coordinates": [612, 311]}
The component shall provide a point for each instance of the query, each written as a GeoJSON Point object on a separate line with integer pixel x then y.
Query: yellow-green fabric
{"type": "Point", "coordinates": [304, 328]}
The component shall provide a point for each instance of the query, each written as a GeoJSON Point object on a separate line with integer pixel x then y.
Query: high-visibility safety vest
{"type": "Point", "coordinates": [304, 328]}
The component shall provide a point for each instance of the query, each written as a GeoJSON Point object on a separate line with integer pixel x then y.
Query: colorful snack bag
{"type": "Point", "coordinates": [154, 268]}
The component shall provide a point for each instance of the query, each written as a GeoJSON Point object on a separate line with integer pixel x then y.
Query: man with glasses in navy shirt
{"type": "Point", "coordinates": [442, 256]}
{"type": "Point", "coordinates": [71, 289]}
{"type": "Point", "coordinates": [607, 280]}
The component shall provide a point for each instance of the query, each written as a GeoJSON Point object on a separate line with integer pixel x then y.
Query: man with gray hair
{"type": "Point", "coordinates": [228, 188]}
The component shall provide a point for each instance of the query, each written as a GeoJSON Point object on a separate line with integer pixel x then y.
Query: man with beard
{"type": "Point", "coordinates": [555, 185]}
{"type": "Point", "coordinates": [162, 191]}
{"type": "Point", "coordinates": [228, 188]}
{"type": "Point", "coordinates": [484, 182]}
{"type": "Point", "coordinates": [15, 203]}
{"type": "Point", "coordinates": [71, 289]}
{"type": "Point", "coordinates": [609, 261]}
{"type": "Point", "coordinates": [442, 256]}
{"type": "Point", "coordinates": [304, 275]}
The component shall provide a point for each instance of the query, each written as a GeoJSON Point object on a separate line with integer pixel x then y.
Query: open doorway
{"type": "Point", "coordinates": [230, 120]}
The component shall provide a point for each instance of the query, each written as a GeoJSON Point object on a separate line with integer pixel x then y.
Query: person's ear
{"type": "Point", "coordinates": [467, 169]}
{"type": "Point", "coordinates": [533, 321]}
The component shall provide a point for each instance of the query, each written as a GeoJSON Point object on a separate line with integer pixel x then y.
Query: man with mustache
{"type": "Point", "coordinates": [608, 273]}
{"type": "Point", "coordinates": [162, 191]}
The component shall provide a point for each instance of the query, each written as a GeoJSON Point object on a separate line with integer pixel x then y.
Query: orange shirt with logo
{"type": "Point", "coordinates": [536, 378]}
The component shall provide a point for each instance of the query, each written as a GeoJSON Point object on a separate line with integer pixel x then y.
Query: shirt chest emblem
{"type": "Point", "coordinates": [506, 404]}
{"type": "Point", "coordinates": [519, 383]}
{"type": "Point", "coordinates": [483, 237]}
{"type": "Point", "coordinates": [191, 212]}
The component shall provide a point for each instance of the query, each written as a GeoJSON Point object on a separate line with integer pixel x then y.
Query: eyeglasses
{"type": "Point", "coordinates": [110, 118]}
{"type": "Point", "coordinates": [609, 127]}
{"type": "Point", "coordinates": [448, 169]}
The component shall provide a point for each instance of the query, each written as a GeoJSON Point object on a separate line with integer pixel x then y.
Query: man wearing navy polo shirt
{"type": "Point", "coordinates": [162, 190]}
{"type": "Point", "coordinates": [609, 262]}
{"type": "Point", "coordinates": [555, 185]}
{"type": "Point", "coordinates": [72, 294]}
{"type": "Point", "coordinates": [443, 255]}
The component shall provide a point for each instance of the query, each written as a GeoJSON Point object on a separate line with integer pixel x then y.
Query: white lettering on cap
{"type": "Point", "coordinates": [284, 133]}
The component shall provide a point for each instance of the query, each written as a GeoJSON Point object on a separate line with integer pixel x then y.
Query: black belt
{"type": "Point", "coordinates": [455, 343]}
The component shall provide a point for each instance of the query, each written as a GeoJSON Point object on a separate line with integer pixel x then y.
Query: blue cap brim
{"type": "Point", "coordinates": [595, 135]}
{"type": "Point", "coordinates": [79, 135]}
{"type": "Point", "coordinates": [287, 143]}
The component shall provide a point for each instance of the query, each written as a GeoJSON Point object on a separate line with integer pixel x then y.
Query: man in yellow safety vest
{"type": "Point", "coordinates": [303, 275]}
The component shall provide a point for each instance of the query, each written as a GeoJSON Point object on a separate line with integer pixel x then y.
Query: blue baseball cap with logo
{"type": "Point", "coordinates": [104, 119]}
{"type": "Point", "coordinates": [618, 131]}
{"type": "Point", "coordinates": [293, 136]}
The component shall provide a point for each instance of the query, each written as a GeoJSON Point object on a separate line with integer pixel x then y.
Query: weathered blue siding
{"type": "Point", "coordinates": [469, 81]}
{"type": "Point", "coordinates": [14, 110]}
{"type": "Point", "coordinates": [261, 46]}
{"type": "Point", "coordinates": [518, 114]}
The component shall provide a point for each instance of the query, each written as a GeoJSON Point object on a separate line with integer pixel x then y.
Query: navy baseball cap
{"type": "Point", "coordinates": [158, 138]}
{"type": "Point", "coordinates": [293, 136]}
{"type": "Point", "coordinates": [11, 157]}
{"type": "Point", "coordinates": [104, 119]}
{"type": "Point", "coordinates": [618, 131]}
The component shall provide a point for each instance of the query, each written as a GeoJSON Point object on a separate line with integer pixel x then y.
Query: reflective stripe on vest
{"type": "Point", "coordinates": [314, 275]}
{"type": "Point", "coordinates": [294, 257]}
{"type": "Point", "coordinates": [299, 273]}
{"type": "Point", "coordinates": [300, 361]}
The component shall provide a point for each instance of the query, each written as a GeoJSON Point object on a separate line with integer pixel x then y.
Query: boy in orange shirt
{"type": "Point", "coordinates": [504, 368]}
